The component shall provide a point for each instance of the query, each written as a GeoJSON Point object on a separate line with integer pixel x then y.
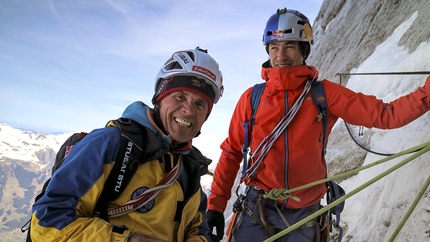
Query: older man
{"type": "Point", "coordinates": [169, 172]}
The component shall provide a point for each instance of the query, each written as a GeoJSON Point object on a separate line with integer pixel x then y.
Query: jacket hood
{"type": "Point", "coordinates": [137, 111]}
{"type": "Point", "coordinates": [291, 77]}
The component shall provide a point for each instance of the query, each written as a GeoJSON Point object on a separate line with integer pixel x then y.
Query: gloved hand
{"type": "Point", "coordinates": [216, 219]}
{"type": "Point", "coordinates": [214, 238]}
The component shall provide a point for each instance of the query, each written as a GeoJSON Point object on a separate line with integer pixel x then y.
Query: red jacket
{"type": "Point", "coordinates": [295, 158]}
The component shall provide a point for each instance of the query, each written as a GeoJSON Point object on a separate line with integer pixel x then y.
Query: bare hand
{"type": "Point", "coordinates": [143, 238]}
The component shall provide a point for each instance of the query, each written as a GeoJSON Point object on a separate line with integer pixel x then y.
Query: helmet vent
{"type": "Point", "coordinates": [301, 33]}
{"type": "Point", "coordinates": [301, 22]}
{"type": "Point", "coordinates": [174, 65]}
{"type": "Point", "coordinates": [192, 56]}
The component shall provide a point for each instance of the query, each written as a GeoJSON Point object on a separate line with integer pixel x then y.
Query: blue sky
{"type": "Point", "coordinates": [72, 65]}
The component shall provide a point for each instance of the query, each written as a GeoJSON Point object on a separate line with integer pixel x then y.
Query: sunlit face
{"type": "Point", "coordinates": [183, 114]}
{"type": "Point", "coordinates": [285, 53]}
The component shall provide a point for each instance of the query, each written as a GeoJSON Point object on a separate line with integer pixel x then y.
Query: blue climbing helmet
{"type": "Point", "coordinates": [289, 25]}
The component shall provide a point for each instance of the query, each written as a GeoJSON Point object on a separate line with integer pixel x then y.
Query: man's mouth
{"type": "Point", "coordinates": [283, 65]}
{"type": "Point", "coordinates": [183, 123]}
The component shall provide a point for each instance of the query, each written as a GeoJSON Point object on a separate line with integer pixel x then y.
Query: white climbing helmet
{"type": "Point", "coordinates": [196, 62]}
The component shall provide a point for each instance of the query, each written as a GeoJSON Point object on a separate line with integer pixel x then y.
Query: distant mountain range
{"type": "Point", "coordinates": [26, 158]}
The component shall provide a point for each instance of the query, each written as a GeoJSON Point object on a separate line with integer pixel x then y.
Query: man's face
{"type": "Point", "coordinates": [183, 114]}
{"type": "Point", "coordinates": [285, 53]}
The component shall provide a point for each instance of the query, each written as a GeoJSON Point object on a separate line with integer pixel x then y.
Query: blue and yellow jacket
{"type": "Point", "coordinates": [65, 212]}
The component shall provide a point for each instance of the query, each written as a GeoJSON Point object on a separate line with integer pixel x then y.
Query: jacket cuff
{"type": "Point", "coordinates": [427, 88]}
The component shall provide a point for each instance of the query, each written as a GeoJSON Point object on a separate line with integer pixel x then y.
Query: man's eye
{"type": "Point", "coordinates": [180, 97]}
{"type": "Point", "coordinates": [201, 105]}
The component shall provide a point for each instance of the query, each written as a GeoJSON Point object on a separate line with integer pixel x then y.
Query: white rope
{"type": "Point", "coordinates": [267, 143]}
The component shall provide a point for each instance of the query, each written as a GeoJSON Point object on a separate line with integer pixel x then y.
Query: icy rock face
{"type": "Point", "coordinates": [347, 32]}
{"type": "Point", "coordinates": [366, 37]}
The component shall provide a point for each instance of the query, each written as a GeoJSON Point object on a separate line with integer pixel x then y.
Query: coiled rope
{"type": "Point", "coordinates": [265, 145]}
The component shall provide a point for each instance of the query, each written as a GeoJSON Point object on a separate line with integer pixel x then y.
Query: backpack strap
{"type": "Point", "coordinates": [248, 125]}
{"type": "Point", "coordinates": [319, 97]}
{"type": "Point", "coordinates": [334, 191]}
{"type": "Point", "coordinates": [130, 155]}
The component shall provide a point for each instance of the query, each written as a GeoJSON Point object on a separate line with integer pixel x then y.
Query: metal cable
{"type": "Point", "coordinates": [374, 74]}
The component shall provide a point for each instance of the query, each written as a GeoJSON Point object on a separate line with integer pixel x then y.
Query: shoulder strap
{"type": "Point", "coordinates": [334, 191]}
{"type": "Point", "coordinates": [256, 93]}
{"type": "Point", "coordinates": [319, 97]}
{"type": "Point", "coordinates": [248, 125]}
{"type": "Point", "coordinates": [131, 153]}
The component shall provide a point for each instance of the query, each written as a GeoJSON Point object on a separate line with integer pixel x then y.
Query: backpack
{"type": "Point", "coordinates": [133, 137]}
{"type": "Point", "coordinates": [334, 191]}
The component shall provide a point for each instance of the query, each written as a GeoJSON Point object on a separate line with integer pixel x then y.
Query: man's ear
{"type": "Point", "coordinates": [197, 135]}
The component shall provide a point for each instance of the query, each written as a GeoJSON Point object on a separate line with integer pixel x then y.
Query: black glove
{"type": "Point", "coordinates": [214, 238]}
{"type": "Point", "coordinates": [216, 219]}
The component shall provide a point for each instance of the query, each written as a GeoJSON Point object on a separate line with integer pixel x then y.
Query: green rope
{"type": "Point", "coordinates": [410, 210]}
{"type": "Point", "coordinates": [423, 149]}
{"type": "Point", "coordinates": [282, 194]}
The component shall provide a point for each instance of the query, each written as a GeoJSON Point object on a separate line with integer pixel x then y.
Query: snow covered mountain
{"type": "Point", "coordinates": [26, 158]}
{"type": "Point", "coordinates": [24, 145]}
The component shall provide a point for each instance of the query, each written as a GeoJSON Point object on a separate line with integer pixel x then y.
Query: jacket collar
{"type": "Point", "coordinates": [289, 78]}
{"type": "Point", "coordinates": [141, 113]}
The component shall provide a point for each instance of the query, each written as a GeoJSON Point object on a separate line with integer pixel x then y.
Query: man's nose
{"type": "Point", "coordinates": [188, 108]}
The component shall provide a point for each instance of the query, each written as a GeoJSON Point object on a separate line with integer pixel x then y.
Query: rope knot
{"type": "Point", "coordinates": [280, 194]}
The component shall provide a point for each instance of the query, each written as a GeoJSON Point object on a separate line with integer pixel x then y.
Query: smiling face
{"type": "Point", "coordinates": [183, 114]}
{"type": "Point", "coordinates": [285, 53]}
